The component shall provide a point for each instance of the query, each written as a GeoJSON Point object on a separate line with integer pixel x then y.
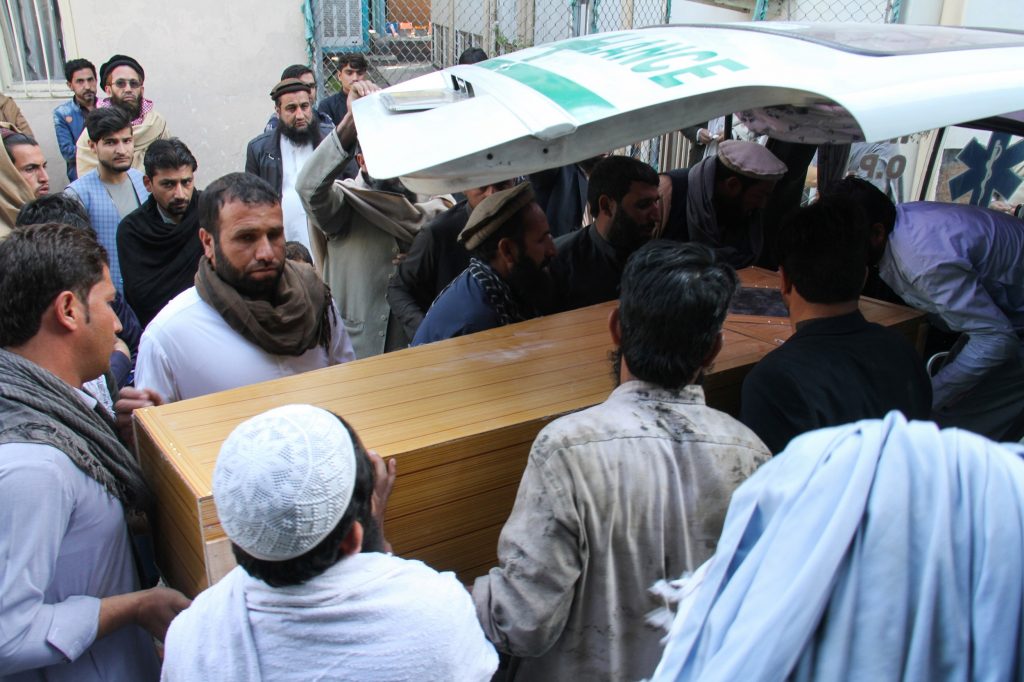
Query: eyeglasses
{"type": "Point", "coordinates": [122, 84]}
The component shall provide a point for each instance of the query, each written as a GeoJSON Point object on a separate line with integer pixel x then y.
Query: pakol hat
{"type": "Point", "coordinates": [750, 159]}
{"type": "Point", "coordinates": [283, 480]}
{"type": "Point", "coordinates": [288, 85]}
{"type": "Point", "coordinates": [493, 212]}
{"type": "Point", "coordinates": [116, 61]}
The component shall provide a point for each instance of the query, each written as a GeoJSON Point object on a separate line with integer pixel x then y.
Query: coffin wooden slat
{"type": "Point", "coordinates": [459, 415]}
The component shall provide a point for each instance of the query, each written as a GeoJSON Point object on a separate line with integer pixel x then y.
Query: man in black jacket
{"type": "Point", "coordinates": [837, 367]}
{"type": "Point", "coordinates": [623, 198]}
{"type": "Point", "coordinates": [434, 259]}
{"type": "Point", "coordinates": [279, 155]}
{"type": "Point", "coordinates": [160, 239]}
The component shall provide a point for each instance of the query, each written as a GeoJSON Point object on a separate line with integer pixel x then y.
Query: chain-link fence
{"type": "Point", "coordinates": [864, 11]}
{"type": "Point", "coordinates": [402, 39]}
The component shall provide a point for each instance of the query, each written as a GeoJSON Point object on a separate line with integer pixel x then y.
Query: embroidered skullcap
{"type": "Point", "coordinates": [750, 159]}
{"type": "Point", "coordinates": [288, 85]}
{"type": "Point", "coordinates": [493, 212]}
{"type": "Point", "coordinates": [283, 480]}
{"type": "Point", "coordinates": [116, 61]}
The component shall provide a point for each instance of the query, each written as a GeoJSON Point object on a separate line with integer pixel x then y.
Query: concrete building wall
{"type": "Point", "coordinates": [210, 65]}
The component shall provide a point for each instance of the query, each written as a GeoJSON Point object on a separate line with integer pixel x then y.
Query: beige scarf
{"type": "Point", "coordinates": [14, 193]}
{"type": "Point", "coordinates": [300, 317]}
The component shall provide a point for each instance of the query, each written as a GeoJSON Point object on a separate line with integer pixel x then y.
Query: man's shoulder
{"type": "Point", "coordinates": [183, 309]}
{"type": "Point", "coordinates": [263, 141]}
{"type": "Point", "coordinates": [65, 109]}
{"type": "Point", "coordinates": [569, 239]}
{"type": "Point", "coordinates": [448, 223]}
{"type": "Point", "coordinates": [640, 410]}
{"type": "Point", "coordinates": [84, 182]}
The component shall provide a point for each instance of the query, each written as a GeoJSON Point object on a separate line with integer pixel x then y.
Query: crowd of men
{"type": "Point", "coordinates": [134, 288]}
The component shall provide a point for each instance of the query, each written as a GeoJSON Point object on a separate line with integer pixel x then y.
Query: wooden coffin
{"type": "Point", "coordinates": [459, 415]}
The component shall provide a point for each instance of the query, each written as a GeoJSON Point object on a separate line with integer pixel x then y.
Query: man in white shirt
{"type": "Point", "coordinates": [252, 316]}
{"type": "Point", "coordinates": [71, 495]}
{"type": "Point", "coordinates": [277, 156]}
{"type": "Point", "coordinates": [316, 592]}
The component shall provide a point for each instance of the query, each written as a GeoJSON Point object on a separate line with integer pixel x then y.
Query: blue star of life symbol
{"type": "Point", "coordinates": [989, 169]}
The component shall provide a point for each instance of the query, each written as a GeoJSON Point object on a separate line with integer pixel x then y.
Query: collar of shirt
{"type": "Point", "coordinates": [164, 215]}
{"type": "Point", "coordinates": [86, 398]}
{"type": "Point", "coordinates": [691, 394]}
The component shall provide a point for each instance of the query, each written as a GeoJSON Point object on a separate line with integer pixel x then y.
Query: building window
{"type": "Point", "coordinates": [32, 41]}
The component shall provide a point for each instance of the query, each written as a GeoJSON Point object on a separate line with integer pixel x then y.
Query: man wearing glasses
{"type": "Point", "coordinates": [123, 79]}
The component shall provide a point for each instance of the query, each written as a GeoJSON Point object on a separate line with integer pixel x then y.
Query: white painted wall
{"type": "Point", "coordinates": [210, 65]}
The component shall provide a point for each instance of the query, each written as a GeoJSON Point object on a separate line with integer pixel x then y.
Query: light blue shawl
{"type": "Point", "coordinates": [879, 550]}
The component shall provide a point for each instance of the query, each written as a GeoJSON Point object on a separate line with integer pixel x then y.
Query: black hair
{"type": "Point", "coordinates": [295, 71]}
{"type": "Point", "coordinates": [472, 55]}
{"type": "Point", "coordinates": [78, 65]}
{"type": "Point", "coordinates": [54, 208]}
{"type": "Point", "coordinates": [876, 205]}
{"type": "Point", "coordinates": [612, 176]}
{"type": "Point", "coordinates": [169, 154]}
{"type": "Point", "coordinates": [823, 249]}
{"type": "Point", "coordinates": [106, 121]}
{"type": "Point", "coordinates": [328, 551]}
{"type": "Point", "coordinates": [37, 263]}
{"type": "Point", "coordinates": [17, 140]}
{"type": "Point", "coordinates": [514, 228]}
{"type": "Point", "coordinates": [356, 60]}
{"type": "Point", "coordinates": [673, 301]}
{"type": "Point", "coordinates": [247, 188]}
{"type": "Point", "coordinates": [297, 251]}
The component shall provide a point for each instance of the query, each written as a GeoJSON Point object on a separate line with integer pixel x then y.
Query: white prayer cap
{"type": "Point", "coordinates": [283, 481]}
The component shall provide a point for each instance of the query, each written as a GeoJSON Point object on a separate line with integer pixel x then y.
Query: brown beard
{"type": "Point", "coordinates": [133, 110]}
{"type": "Point", "coordinates": [240, 281]}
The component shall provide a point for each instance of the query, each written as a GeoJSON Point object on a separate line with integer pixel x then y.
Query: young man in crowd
{"type": "Point", "coordinates": [632, 491]}
{"type": "Point", "coordinates": [837, 367]}
{"type": "Point", "coordinates": [71, 495]}
{"type": "Point", "coordinates": [113, 189]}
{"type": "Point", "coordinates": [158, 242]}
{"type": "Point", "coordinates": [69, 117]}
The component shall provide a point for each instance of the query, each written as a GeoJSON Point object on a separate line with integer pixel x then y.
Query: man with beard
{"type": "Point", "coordinates": [718, 201]}
{"type": "Point", "coordinates": [251, 316]}
{"type": "Point", "coordinates": [626, 493]}
{"type": "Point", "coordinates": [368, 225]}
{"type": "Point", "coordinates": [304, 74]}
{"type": "Point", "coordinates": [435, 258]}
{"type": "Point", "coordinates": [69, 118]}
{"type": "Point", "coordinates": [113, 189]}
{"type": "Point", "coordinates": [123, 80]}
{"type": "Point", "coordinates": [623, 197]}
{"type": "Point", "coordinates": [507, 280]}
{"type": "Point", "coordinates": [279, 155]}
{"type": "Point", "coordinates": [316, 585]}
{"type": "Point", "coordinates": [159, 241]}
